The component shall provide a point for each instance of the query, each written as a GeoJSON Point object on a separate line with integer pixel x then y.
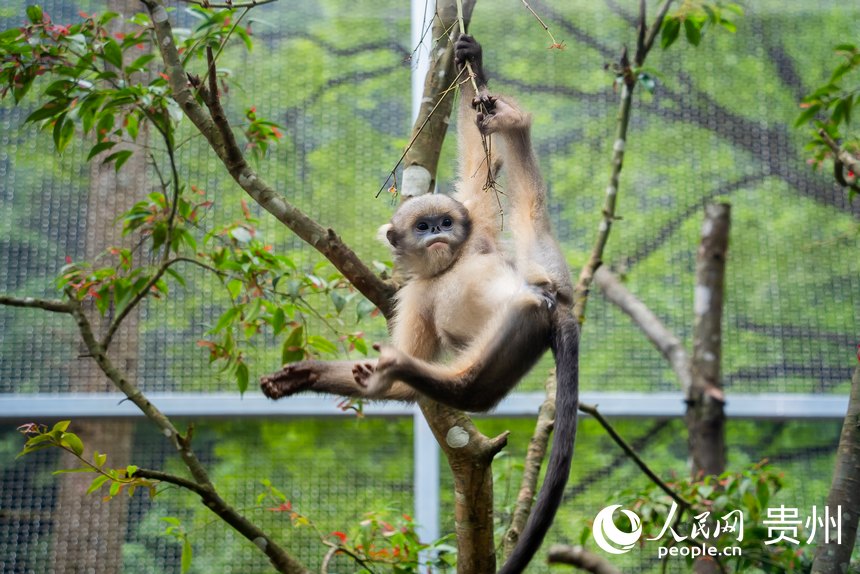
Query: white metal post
{"type": "Point", "coordinates": [425, 448]}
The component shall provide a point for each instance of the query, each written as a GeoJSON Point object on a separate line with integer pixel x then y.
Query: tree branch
{"type": "Point", "coordinates": [619, 440]}
{"type": "Point", "coordinates": [52, 305]}
{"type": "Point", "coordinates": [705, 399]}
{"type": "Point", "coordinates": [660, 336]}
{"type": "Point", "coordinates": [282, 561]}
{"type": "Point", "coordinates": [579, 557]}
{"type": "Point", "coordinates": [532, 465]}
{"type": "Point", "coordinates": [835, 555]}
{"type": "Point", "coordinates": [323, 240]}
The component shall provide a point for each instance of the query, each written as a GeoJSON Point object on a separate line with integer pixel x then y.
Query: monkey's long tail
{"type": "Point", "coordinates": [565, 347]}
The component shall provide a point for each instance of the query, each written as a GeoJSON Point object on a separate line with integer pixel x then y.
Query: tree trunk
{"type": "Point", "coordinates": [705, 400]}
{"type": "Point", "coordinates": [832, 556]}
{"type": "Point", "coordinates": [88, 531]}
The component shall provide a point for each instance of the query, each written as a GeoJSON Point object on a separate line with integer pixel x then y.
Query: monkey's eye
{"type": "Point", "coordinates": [422, 226]}
{"type": "Point", "coordinates": [447, 223]}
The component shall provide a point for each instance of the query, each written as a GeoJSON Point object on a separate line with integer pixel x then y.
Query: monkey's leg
{"type": "Point", "coordinates": [505, 351]}
{"type": "Point", "coordinates": [330, 377]}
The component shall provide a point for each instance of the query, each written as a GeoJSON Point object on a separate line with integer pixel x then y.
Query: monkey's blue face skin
{"type": "Point", "coordinates": [429, 230]}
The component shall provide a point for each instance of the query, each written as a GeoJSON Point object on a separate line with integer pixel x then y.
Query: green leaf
{"type": "Point", "coordinates": [186, 555]}
{"type": "Point", "coordinates": [242, 377]}
{"type": "Point", "coordinates": [119, 158]}
{"type": "Point", "coordinates": [72, 441]}
{"type": "Point", "coordinates": [130, 470]}
{"type": "Point", "coordinates": [364, 309]}
{"type": "Point", "coordinates": [49, 110]}
{"type": "Point", "coordinates": [64, 131]}
{"type": "Point", "coordinates": [338, 300]}
{"type": "Point", "coordinates": [99, 459]}
{"type": "Point", "coordinates": [71, 470]}
{"type": "Point", "coordinates": [97, 483]}
{"type": "Point", "coordinates": [34, 13]}
{"type": "Point", "coordinates": [807, 115]}
{"type": "Point", "coordinates": [670, 31]}
{"type": "Point", "coordinates": [175, 274]}
{"type": "Point", "coordinates": [99, 148]}
{"type": "Point", "coordinates": [322, 344]}
{"type": "Point", "coordinates": [61, 426]}
{"type": "Point", "coordinates": [278, 321]}
{"type": "Point", "coordinates": [113, 53]}
{"type": "Point", "coordinates": [114, 488]}
{"type": "Point", "coordinates": [227, 318]}
{"type": "Point", "coordinates": [693, 32]}
{"type": "Point", "coordinates": [293, 345]}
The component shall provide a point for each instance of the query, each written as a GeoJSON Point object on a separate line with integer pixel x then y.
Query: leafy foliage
{"type": "Point", "coordinates": [745, 495]}
{"type": "Point", "coordinates": [39, 437]}
{"type": "Point", "coordinates": [829, 110]}
{"type": "Point", "coordinates": [378, 539]}
{"type": "Point", "coordinates": [694, 16]}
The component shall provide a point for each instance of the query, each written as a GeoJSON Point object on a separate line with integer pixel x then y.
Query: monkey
{"type": "Point", "coordinates": [473, 317]}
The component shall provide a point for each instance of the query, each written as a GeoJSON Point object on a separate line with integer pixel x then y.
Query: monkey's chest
{"type": "Point", "coordinates": [465, 304]}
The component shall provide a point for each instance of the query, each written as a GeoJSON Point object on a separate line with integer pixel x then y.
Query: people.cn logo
{"type": "Point", "coordinates": [609, 537]}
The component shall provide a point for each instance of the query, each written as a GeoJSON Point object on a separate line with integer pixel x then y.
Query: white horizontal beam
{"type": "Point", "coordinates": [34, 407]}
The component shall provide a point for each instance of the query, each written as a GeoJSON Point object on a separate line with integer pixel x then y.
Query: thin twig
{"type": "Point", "coordinates": [545, 27]}
{"type": "Point", "coordinates": [417, 133]}
{"type": "Point", "coordinates": [619, 440]}
{"type": "Point", "coordinates": [245, 4]}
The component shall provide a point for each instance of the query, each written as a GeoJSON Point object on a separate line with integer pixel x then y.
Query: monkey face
{"type": "Point", "coordinates": [427, 234]}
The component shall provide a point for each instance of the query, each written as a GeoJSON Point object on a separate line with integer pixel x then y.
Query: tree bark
{"type": "Point", "coordinates": [422, 158]}
{"type": "Point", "coordinates": [705, 400]}
{"type": "Point", "coordinates": [89, 532]}
{"type": "Point", "coordinates": [832, 557]}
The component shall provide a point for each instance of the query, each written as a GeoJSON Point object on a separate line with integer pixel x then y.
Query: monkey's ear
{"type": "Point", "coordinates": [386, 235]}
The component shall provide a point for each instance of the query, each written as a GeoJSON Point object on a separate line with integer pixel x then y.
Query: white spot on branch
{"type": "Point", "coordinates": [618, 146]}
{"type": "Point", "coordinates": [701, 300]}
{"type": "Point", "coordinates": [416, 181]}
{"type": "Point", "coordinates": [603, 226]}
{"type": "Point", "coordinates": [261, 543]}
{"type": "Point", "coordinates": [707, 227]}
{"type": "Point", "coordinates": [611, 190]}
{"type": "Point", "coordinates": [457, 437]}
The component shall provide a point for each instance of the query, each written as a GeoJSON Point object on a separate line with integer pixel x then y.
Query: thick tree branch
{"type": "Point", "coordinates": [282, 561]}
{"type": "Point", "coordinates": [660, 336]}
{"type": "Point", "coordinates": [705, 399]}
{"type": "Point", "coordinates": [835, 555]}
{"type": "Point", "coordinates": [428, 133]}
{"type": "Point", "coordinates": [579, 557]}
{"type": "Point", "coordinates": [216, 133]}
{"type": "Point", "coordinates": [53, 305]}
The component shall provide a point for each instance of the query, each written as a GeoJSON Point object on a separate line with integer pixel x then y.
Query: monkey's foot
{"type": "Point", "coordinates": [362, 372]}
{"type": "Point", "coordinates": [291, 379]}
{"type": "Point", "coordinates": [378, 381]}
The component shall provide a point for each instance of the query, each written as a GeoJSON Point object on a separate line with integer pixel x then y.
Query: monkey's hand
{"type": "Point", "coordinates": [378, 381]}
{"type": "Point", "coordinates": [291, 379]}
{"type": "Point", "coordinates": [467, 49]}
{"type": "Point", "coordinates": [497, 115]}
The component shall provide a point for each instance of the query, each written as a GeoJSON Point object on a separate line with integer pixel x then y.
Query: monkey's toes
{"type": "Point", "coordinates": [362, 372]}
